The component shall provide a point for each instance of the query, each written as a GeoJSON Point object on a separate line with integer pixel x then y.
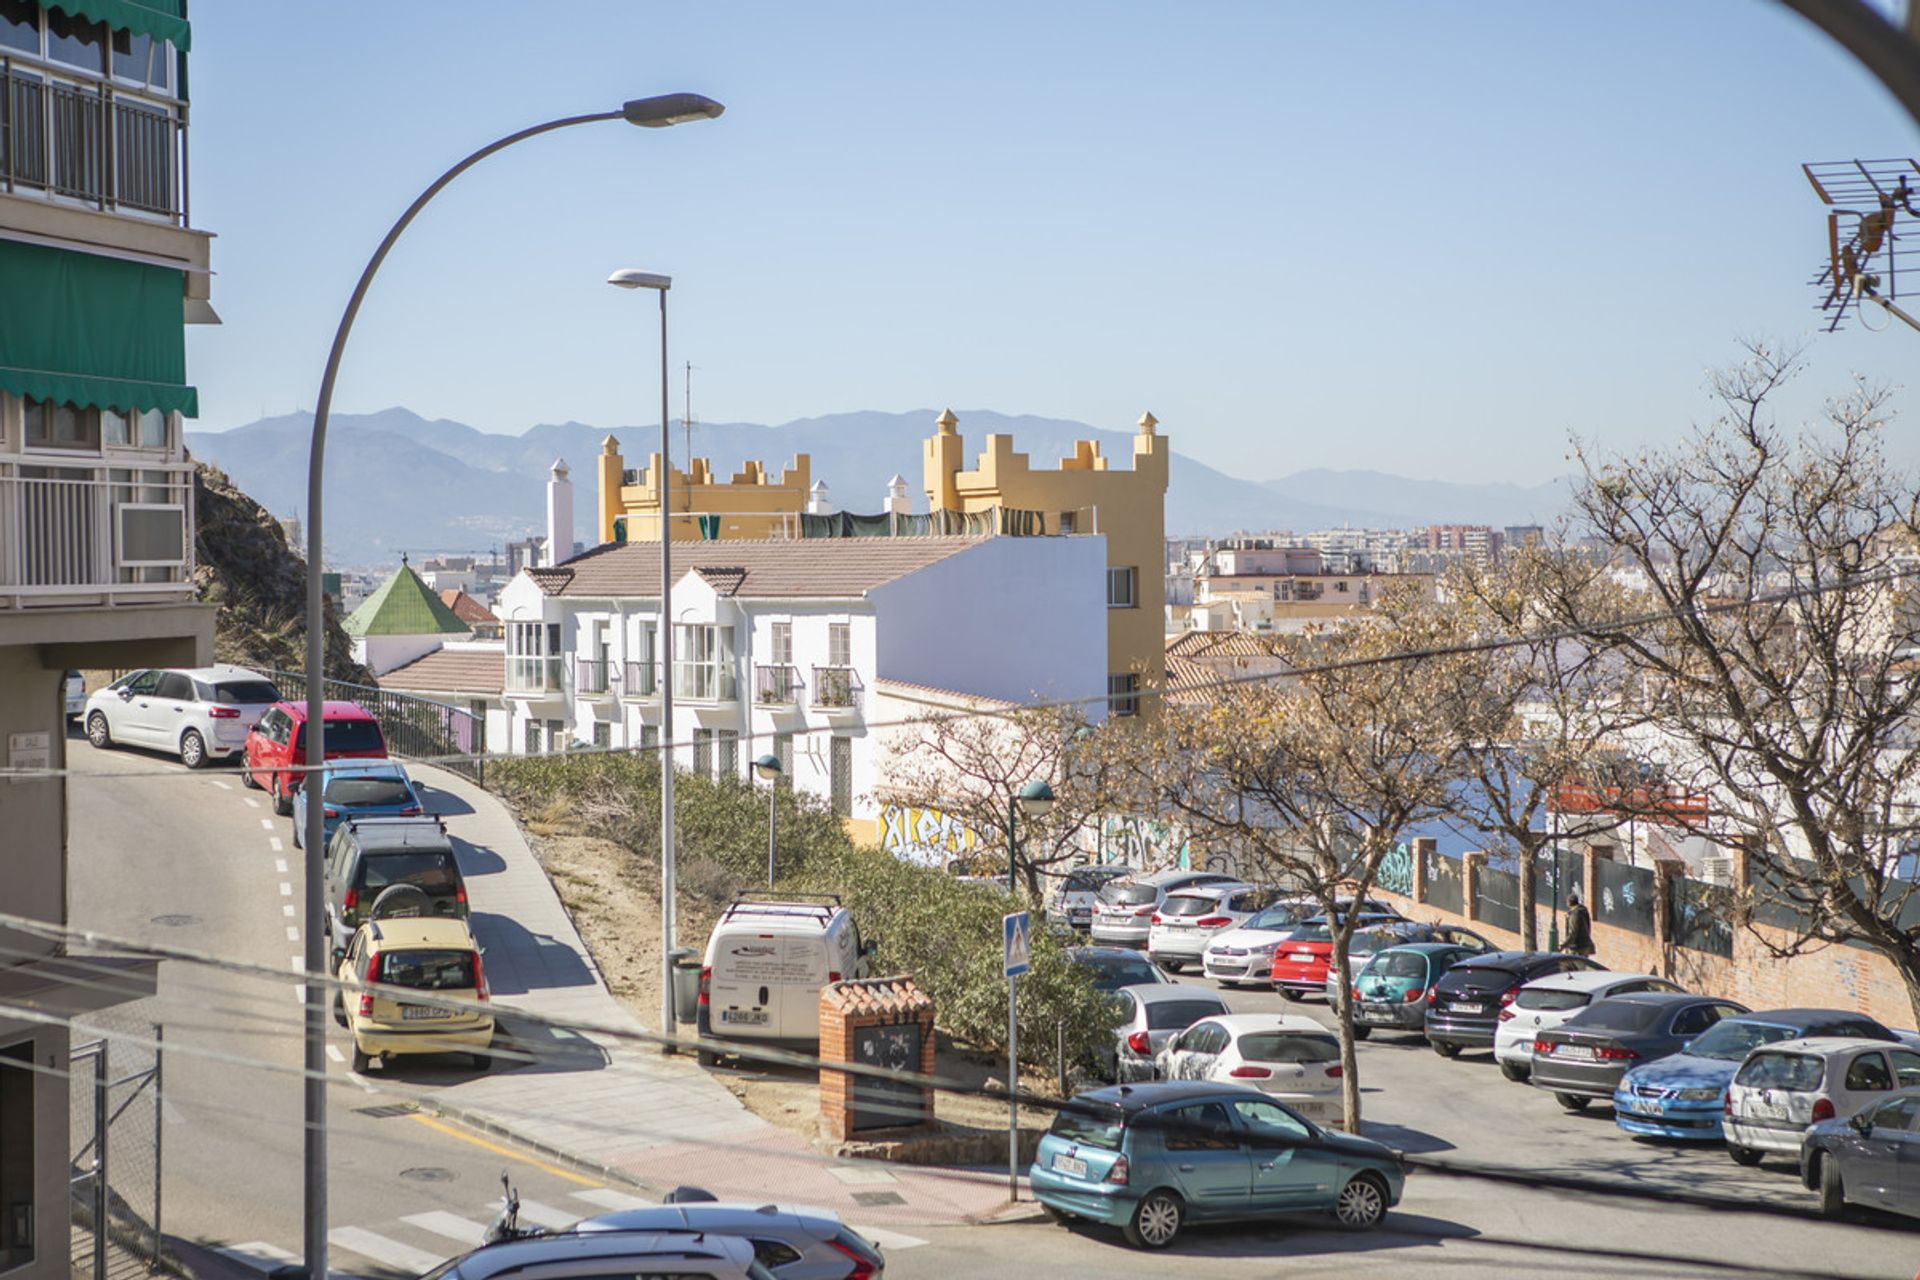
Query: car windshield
{"type": "Point", "coordinates": [1398, 964]}
{"type": "Point", "coordinates": [238, 693]}
{"type": "Point", "coordinates": [1280, 916]}
{"type": "Point", "coordinates": [1289, 1046]}
{"type": "Point", "coordinates": [1090, 1124]}
{"type": "Point", "coordinates": [1110, 973]}
{"type": "Point", "coordinates": [1732, 1039]}
{"type": "Point", "coordinates": [1127, 894]}
{"type": "Point", "coordinates": [1188, 906]}
{"type": "Point", "coordinates": [1797, 1071]}
{"type": "Point", "coordinates": [345, 736]}
{"type": "Point", "coordinates": [1549, 1000]}
{"type": "Point", "coordinates": [1475, 977]}
{"type": "Point", "coordinates": [1619, 1015]}
{"type": "Point", "coordinates": [368, 790]}
{"type": "Point", "coordinates": [426, 970]}
{"type": "Point", "coordinates": [1084, 881]}
{"type": "Point", "coordinates": [1311, 933]}
{"type": "Point", "coordinates": [429, 868]}
{"type": "Point", "coordinates": [1173, 1015]}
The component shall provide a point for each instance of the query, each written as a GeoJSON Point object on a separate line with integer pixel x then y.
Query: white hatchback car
{"type": "Point", "coordinates": [1243, 955]}
{"type": "Point", "coordinates": [1288, 1056]}
{"type": "Point", "coordinates": [1123, 909]}
{"type": "Point", "coordinates": [1547, 1002]}
{"type": "Point", "coordinates": [1178, 933]}
{"type": "Point", "coordinates": [198, 713]}
{"type": "Point", "coordinates": [1787, 1087]}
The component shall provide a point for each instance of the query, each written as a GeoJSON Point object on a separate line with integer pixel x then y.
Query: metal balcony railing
{"type": "Point", "coordinates": [533, 674]}
{"type": "Point", "coordinates": [640, 680]}
{"type": "Point", "coordinates": [776, 686]}
{"type": "Point", "coordinates": [76, 535]}
{"type": "Point", "coordinates": [593, 675]}
{"type": "Point", "coordinates": [836, 688]}
{"type": "Point", "coordinates": [82, 138]}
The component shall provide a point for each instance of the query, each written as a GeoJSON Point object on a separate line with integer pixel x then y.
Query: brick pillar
{"type": "Point", "coordinates": [1664, 874]}
{"type": "Point", "coordinates": [1598, 851]}
{"type": "Point", "coordinates": [1470, 882]}
{"type": "Point", "coordinates": [1423, 848]}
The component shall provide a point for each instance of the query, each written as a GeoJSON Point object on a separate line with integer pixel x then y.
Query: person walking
{"type": "Point", "coordinates": [1579, 936]}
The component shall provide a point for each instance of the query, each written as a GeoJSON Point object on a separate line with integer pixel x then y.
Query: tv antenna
{"type": "Point", "coordinates": [1865, 200]}
{"type": "Point", "coordinates": [686, 410]}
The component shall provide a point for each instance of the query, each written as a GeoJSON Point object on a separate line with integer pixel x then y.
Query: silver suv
{"type": "Point", "coordinates": [1123, 909]}
{"type": "Point", "coordinates": [792, 1243]}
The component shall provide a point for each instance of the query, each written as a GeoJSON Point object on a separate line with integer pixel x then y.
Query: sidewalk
{"type": "Point", "coordinates": [624, 1107]}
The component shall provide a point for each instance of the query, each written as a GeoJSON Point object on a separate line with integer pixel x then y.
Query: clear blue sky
{"type": "Point", "coordinates": [1430, 238]}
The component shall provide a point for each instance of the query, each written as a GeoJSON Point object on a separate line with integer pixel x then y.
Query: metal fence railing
{"type": "Point", "coordinates": [1625, 896]}
{"type": "Point", "coordinates": [82, 138]}
{"type": "Point", "coordinates": [1558, 872]}
{"type": "Point", "coordinates": [1445, 889]}
{"type": "Point", "coordinates": [82, 531]}
{"type": "Point", "coordinates": [413, 726]}
{"type": "Point", "coordinates": [114, 1087]}
{"type": "Point", "coordinates": [1699, 916]}
{"type": "Point", "coordinates": [1497, 898]}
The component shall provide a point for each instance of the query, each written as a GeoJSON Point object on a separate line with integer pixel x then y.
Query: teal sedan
{"type": "Point", "coordinates": [1392, 989]}
{"type": "Point", "coordinates": [1150, 1158]}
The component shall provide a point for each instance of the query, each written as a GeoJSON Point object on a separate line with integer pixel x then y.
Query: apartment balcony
{"type": "Point", "coordinates": [776, 686]}
{"type": "Point", "coordinates": [594, 677]}
{"type": "Point", "coordinates": [534, 676]}
{"type": "Point", "coordinates": [705, 682]}
{"type": "Point", "coordinates": [75, 138]}
{"type": "Point", "coordinates": [88, 537]}
{"type": "Point", "coordinates": [640, 680]}
{"type": "Point", "coordinates": [836, 690]}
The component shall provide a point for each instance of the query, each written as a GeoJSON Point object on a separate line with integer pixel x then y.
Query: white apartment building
{"type": "Point", "coordinates": [782, 647]}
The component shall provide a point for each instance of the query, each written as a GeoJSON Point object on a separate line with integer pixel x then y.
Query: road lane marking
{"type": "Point", "coordinates": [300, 993]}
{"type": "Point", "coordinates": [286, 909]}
{"type": "Point", "coordinates": [441, 1126]}
{"type": "Point", "coordinates": [545, 1215]}
{"type": "Point", "coordinates": [251, 802]}
{"type": "Point", "coordinates": [278, 847]}
{"type": "Point", "coordinates": [299, 964]}
{"type": "Point", "coordinates": [280, 864]}
{"type": "Point", "coordinates": [607, 1198]}
{"type": "Point", "coordinates": [462, 1231]}
{"type": "Point", "coordinates": [333, 1051]}
{"type": "Point", "coordinates": [286, 889]}
{"type": "Point", "coordinates": [266, 824]}
{"type": "Point", "coordinates": [368, 1244]}
{"type": "Point", "coordinates": [889, 1239]}
{"type": "Point", "coordinates": [224, 786]}
{"type": "Point", "coordinates": [293, 933]}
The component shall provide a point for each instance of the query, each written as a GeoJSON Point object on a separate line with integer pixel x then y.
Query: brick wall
{"type": "Point", "coordinates": [1832, 978]}
{"type": "Point", "coordinates": [846, 1006]}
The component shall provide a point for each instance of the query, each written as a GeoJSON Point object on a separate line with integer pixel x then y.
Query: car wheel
{"type": "Point", "coordinates": [1515, 1071]}
{"type": "Point", "coordinates": [247, 779]}
{"type": "Point", "coordinates": [1362, 1032]}
{"type": "Point", "coordinates": [1171, 966]}
{"type": "Point", "coordinates": [1362, 1203]}
{"type": "Point", "coordinates": [282, 802]}
{"type": "Point", "coordinates": [1572, 1101]}
{"type": "Point", "coordinates": [339, 1009]}
{"type": "Point", "coordinates": [1833, 1196]}
{"type": "Point", "coordinates": [360, 1061]}
{"type": "Point", "coordinates": [706, 1057]}
{"type": "Point", "coordinates": [1743, 1155]}
{"type": "Point", "coordinates": [1284, 993]}
{"type": "Point", "coordinates": [1156, 1221]}
{"type": "Point", "coordinates": [1444, 1049]}
{"type": "Point", "coordinates": [482, 1061]}
{"type": "Point", "coordinates": [193, 749]}
{"type": "Point", "coordinates": [97, 732]}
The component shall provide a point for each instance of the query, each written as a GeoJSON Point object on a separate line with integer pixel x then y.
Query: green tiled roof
{"type": "Point", "coordinates": [403, 606]}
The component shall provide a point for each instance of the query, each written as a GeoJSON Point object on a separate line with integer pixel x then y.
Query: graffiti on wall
{"type": "Point", "coordinates": [1142, 842]}
{"type": "Point", "coordinates": [929, 837]}
{"type": "Point", "coordinates": [1396, 871]}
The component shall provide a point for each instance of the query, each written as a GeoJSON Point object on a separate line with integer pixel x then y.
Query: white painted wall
{"type": "Point", "coordinates": [381, 654]}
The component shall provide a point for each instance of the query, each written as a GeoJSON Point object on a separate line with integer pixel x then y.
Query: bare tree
{"type": "Point", "coordinates": [1781, 675]}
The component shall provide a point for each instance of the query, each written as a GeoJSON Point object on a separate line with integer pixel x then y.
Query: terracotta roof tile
{"type": "Point", "coordinates": [481, 671]}
{"type": "Point", "coordinates": [465, 607]}
{"type": "Point", "coordinates": [876, 997]}
{"type": "Point", "coordinates": [830, 568]}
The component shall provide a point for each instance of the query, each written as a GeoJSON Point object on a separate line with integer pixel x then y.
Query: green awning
{"type": "Point", "coordinates": [92, 331]}
{"type": "Point", "coordinates": [161, 19]}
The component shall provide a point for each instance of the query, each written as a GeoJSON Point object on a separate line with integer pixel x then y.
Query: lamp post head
{"type": "Point", "coordinates": [1036, 798]}
{"type": "Point", "coordinates": [628, 278]}
{"type": "Point", "coordinates": [669, 109]}
{"type": "Point", "coordinates": [768, 767]}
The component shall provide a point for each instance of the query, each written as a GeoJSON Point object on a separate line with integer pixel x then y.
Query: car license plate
{"type": "Point", "coordinates": [1765, 1110]}
{"type": "Point", "coordinates": [1227, 966]}
{"type": "Point", "coordinates": [415, 1012]}
{"type": "Point", "coordinates": [1374, 1013]}
{"type": "Point", "coordinates": [745, 1017]}
{"type": "Point", "coordinates": [1080, 913]}
{"type": "Point", "coordinates": [1472, 1006]}
{"type": "Point", "coordinates": [1651, 1110]}
{"type": "Point", "coordinates": [1303, 957]}
{"type": "Point", "coordinates": [1069, 1165]}
{"type": "Point", "coordinates": [1578, 1052]}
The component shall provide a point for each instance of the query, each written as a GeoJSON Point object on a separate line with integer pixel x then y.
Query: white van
{"type": "Point", "coordinates": [766, 962]}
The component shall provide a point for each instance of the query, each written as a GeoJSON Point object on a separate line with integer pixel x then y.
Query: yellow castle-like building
{"type": "Point", "coordinates": [1002, 493]}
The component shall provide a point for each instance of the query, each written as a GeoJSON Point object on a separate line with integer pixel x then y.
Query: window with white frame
{"type": "Point", "coordinates": [839, 644]}
{"type": "Point", "coordinates": [1123, 694]}
{"type": "Point", "coordinates": [781, 644]}
{"type": "Point", "coordinates": [703, 662]}
{"type": "Point", "coordinates": [1122, 587]}
{"type": "Point", "coordinates": [533, 657]}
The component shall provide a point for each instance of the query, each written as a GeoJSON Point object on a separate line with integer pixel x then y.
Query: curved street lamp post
{"type": "Point", "coordinates": [649, 113]}
{"type": "Point", "coordinates": [768, 767]}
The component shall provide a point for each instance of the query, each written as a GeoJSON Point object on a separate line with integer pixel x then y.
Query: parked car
{"type": "Point", "coordinates": [197, 713]}
{"type": "Point", "coordinates": [1684, 1095]}
{"type": "Point", "coordinates": [1285, 1056]}
{"type": "Point", "coordinates": [429, 954]}
{"type": "Point", "coordinates": [369, 855]}
{"type": "Point", "coordinates": [1151, 1158]}
{"type": "Point", "coordinates": [1302, 962]}
{"type": "Point", "coordinates": [1115, 967]}
{"type": "Point", "coordinates": [1584, 1057]}
{"type": "Point", "coordinates": [682, 1255]}
{"type": "Point", "coordinates": [1177, 934]}
{"type": "Point", "coordinates": [1072, 901]}
{"type": "Point", "coordinates": [74, 693]}
{"type": "Point", "coordinates": [1123, 909]}
{"type": "Point", "coordinates": [1366, 943]}
{"type": "Point", "coordinates": [1464, 1006]}
{"type": "Point", "coordinates": [1243, 956]}
{"type": "Point", "coordinates": [1396, 984]}
{"type": "Point", "coordinates": [1785, 1089]}
{"type": "Point", "coordinates": [793, 1242]}
{"type": "Point", "coordinates": [1866, 1158]}
{"type": "Point", "coordinates": [1545, 1003]}
{"type": "Point", "coordinates": [377, 789]}
{"type": "Point", "coordinates": [280, 740]}
{"type": "Point", "coordinates": [766, 961]}
{"type": "Point", "coordinates": [1149, 1016]}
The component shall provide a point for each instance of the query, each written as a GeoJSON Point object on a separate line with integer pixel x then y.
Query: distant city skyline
{"type": "Point", "coordinates": [1430, 240]}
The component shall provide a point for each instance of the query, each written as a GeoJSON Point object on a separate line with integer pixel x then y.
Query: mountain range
{"type": "Point", "coordinates": [399, 482]}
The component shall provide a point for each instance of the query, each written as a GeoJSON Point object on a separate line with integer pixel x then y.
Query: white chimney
{"type": "Point", "coordinates": [559, 514]}
{"type": "Point", "coordinates": [897, 501]}
{"type": "Point", "coordinates": [818, 503]}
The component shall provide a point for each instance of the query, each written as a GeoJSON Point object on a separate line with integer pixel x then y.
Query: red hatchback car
{"type": "Point", "coordinates": [1300, 963]}
{"type": "Point", "coordinates": [280, 739]}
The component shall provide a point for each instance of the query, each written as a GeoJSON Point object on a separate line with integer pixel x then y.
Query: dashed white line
{"type": "Point", "coordinates": [266, 824]}
{"type": "Point", "coordinates": [286, 909]}
{"type": "Point", "coordinates": [333, 1051]}
{"type": "Point", "coordinates": [286, 889]}
{"type": "Point", "coordinates": [280, 864]}
{"type": "Point", "coordinates": [299, 964]}
{"type": "Point", "coordinates": [451, 1225]}
{"type": "Point", "coordinates": [293, 933]}
{"type": "Point", "coordinates": [224, 786]}
{"type": "Point", "coordinates": [370, 1244]}
{"type": "Point", "coordinates": [277, 846]}
{"type": "Point", "coordinates": [300, 993]}
{"type": "Point", "coordinates": [251, 802]}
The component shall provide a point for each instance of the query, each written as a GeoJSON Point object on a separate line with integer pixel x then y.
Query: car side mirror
{"type": "Point", "coordinates": [339, 955]}
{"type": "Point", "coordinates": [870, 947]}
{"type": "Point", "coordinates": [126, 695]}
{"type": "Point", "coordinates": [1862, 1123]}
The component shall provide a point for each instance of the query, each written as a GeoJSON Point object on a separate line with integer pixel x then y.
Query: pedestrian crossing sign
{"type": "Point", "coordinates": [1018, 957]}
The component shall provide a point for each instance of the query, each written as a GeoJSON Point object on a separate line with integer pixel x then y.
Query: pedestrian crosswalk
{"type": "Point", "coordinates": [417, 1242]}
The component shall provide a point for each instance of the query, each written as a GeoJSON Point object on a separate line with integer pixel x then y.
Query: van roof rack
{"type": "Point", "coordinates": [742, 895]}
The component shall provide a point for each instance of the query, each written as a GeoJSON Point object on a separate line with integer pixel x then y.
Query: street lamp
{"type": "Point", "coordinates": [768, 767]}
{"type": "Point", "coordinates": [628, 278]}
{"type": "Point", "coordinates": [648, 113]}
{"type": "Point", "coordinates": [1035, 800]}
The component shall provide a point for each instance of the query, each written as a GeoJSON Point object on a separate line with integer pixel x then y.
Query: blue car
{"type": "Point", "coordinates": [358, 789]}
{"type": "Point", "coordinates": [1684, 1094]}
{"type": "Point", "coordinates": [1149, 1158]}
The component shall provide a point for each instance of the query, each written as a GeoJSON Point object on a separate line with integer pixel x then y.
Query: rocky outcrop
{"type": "Point", "coordinates": [246, 567]}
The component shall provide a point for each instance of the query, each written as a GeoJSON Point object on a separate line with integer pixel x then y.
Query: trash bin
{"type": "Point", "coordinates": [686, 984]}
